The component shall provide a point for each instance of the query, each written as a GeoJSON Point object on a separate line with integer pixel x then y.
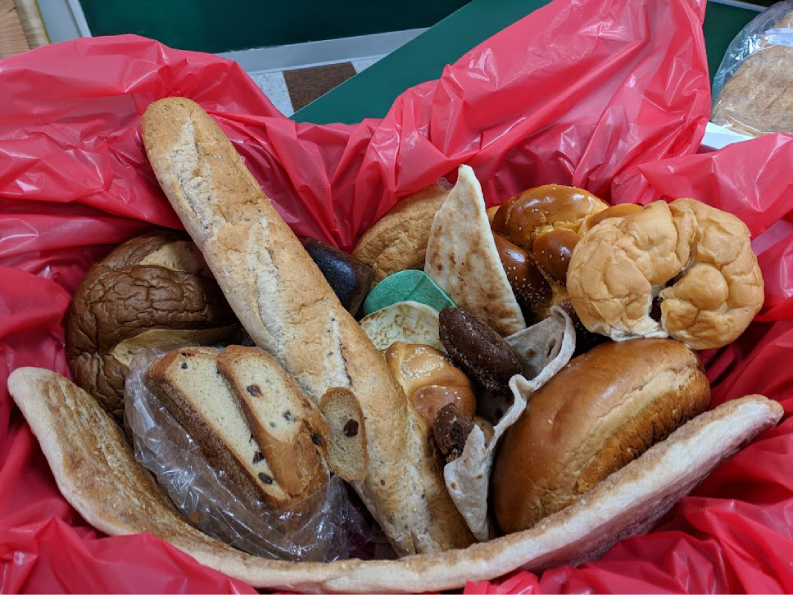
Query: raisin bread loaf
{"type": "Point", "coordinates": [288, 427]}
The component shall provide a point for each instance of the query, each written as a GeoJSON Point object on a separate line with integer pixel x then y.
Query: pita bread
{"type": "Point", "coordinates": [96, 472]}
{"type": "Point", "coordinates": [543, 349]}
{"type": "Point", "coordinates": [463, 260]}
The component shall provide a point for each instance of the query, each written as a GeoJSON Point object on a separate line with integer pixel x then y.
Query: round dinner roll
{"type": "Point", "coordinates": [603, 410]}
{"type": "Point", "coordinates": [697, 259]}
{"type": "Point", "coordinates": [398, 241]}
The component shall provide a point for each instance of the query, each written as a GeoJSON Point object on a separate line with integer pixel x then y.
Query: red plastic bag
{"type": "Point", "coordinates": [612, 96]}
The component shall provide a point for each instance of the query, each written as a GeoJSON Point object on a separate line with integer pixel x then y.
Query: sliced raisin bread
{"type": "Point", "coordinates": [347, 456]}
{"type": "Point", "coordinates": [292, 433]}
{"type": "Point", "coordinates": [189, 384]}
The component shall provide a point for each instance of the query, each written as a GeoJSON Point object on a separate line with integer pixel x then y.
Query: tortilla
{"type": "Point", "coordinates": [543, 349]}
{"type": "Point", "coordinates": [409, 322]}
{"type": "Point", "coordinates": [97, 474]}
{"type": "Point", "coordinates": [463, 260]}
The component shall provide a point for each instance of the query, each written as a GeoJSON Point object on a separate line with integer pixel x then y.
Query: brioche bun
{"type": "Point", "coordinates": [603, 410]}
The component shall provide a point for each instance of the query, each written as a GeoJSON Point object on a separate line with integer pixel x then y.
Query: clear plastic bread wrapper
{"type": "Point", "coordinates": [325, 527]}
{"type": "Point", "coordinates": [543, 350]}
{"type": "Point", "coordinates": [753, 87]}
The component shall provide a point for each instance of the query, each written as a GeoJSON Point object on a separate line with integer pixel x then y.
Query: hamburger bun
{"type": "Point", "coordinates": [696, 259]}
{"type": "Point", "coordinates": [606, 408]}
{"type": "Point", "coordinates": [398, 241]}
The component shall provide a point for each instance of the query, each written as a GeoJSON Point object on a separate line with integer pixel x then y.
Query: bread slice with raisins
{"type": "Point", "coordinates": [190, 385]}
{"type": "Point", "coordinates": [347, 456]}
{"type": "Point", "coordinates": [292, 433]}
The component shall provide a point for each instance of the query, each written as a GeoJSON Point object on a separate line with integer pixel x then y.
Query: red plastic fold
{"type": "Point", "coordinates": [612, 96]}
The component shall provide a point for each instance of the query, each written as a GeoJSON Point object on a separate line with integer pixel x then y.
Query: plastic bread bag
{"type": "Point", "coordinates": [753, 87]}
{"type": "Point", "coordinates": [325, 526]}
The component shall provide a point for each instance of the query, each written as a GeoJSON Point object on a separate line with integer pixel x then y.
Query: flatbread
{"type": "Point", "coordinates": [97, 474]}
{"type": "Point", "coordinates": [543, 350]}
{"type": "Point", "coordinates": [463, 260]}
{"type": "Point", "coordinates": [758, 98]}
{"type": "Point", "coordinates": [409, 322]}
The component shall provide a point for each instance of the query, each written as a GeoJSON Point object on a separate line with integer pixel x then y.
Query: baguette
{"type": "Point", "coordinates": [287, 307]}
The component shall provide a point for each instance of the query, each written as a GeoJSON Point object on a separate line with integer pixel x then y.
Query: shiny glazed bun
{"type": "Point", "coordinates": [603, 410]}
{"type": "Point", "coordinates": [523, 218]}
{"type": "Point", "coordinates": [696, 258]}
{"type": "Point", "coordinates": [430, 380]}
{"type": "Point", "coordinates": [543, 223]}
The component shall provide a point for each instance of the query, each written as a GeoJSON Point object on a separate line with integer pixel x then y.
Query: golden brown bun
{"type": "Point", "coordinates": [600, 412]}
{"type": "Point", "coordinates": [536, 211]}
{"type": "Point", "coordinates": [619, 267]}
{"type": "Point", "coordinates": [430, 380]}
{"type": "Point", "coordinates": [398, 241]}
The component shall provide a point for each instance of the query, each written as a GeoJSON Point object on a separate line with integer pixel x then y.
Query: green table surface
{"type": "Point", "coordinates": [371, 93]}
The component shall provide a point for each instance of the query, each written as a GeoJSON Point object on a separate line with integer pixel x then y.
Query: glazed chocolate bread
{"type": "Point", "coordinates": [153, 291]}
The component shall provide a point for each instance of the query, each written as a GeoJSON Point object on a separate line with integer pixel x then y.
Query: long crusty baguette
{"type": "Point", "coordinates": [287, 307]}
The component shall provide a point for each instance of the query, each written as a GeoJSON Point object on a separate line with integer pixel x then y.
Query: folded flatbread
{"type": "Point", "coordinates": [463, 260]}
{"type": "Point", "coordinates": [98, 475]}
{"type": "Point", "coordinates": [543, 349]}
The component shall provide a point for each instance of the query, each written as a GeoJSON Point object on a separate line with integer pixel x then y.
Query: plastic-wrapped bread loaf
{"type": "Point", "coordinates": [753, 86]}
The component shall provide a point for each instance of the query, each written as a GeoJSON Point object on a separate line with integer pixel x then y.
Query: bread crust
{"type": "Point", "coordinates": [287, 307]}
{"type": "Point", "coordinates": [600, 412]}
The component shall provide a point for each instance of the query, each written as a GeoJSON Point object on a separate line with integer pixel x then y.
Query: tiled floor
{"type": "Point", "coordinates": [291, 90]}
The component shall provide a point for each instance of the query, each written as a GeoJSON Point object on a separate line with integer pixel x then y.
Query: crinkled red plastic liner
{"type": "Point", "coordinates": [611, 96]}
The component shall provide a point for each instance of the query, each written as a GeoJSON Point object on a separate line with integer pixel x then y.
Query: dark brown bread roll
{"type": "Point", "coordinates": [153, 291]}
{"type": "Point", "coordinates": [477, 349]}
{"type": "Point", "coordinates": [603, 410]}
{"type": "Point", "coordinates": [349, 277]}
